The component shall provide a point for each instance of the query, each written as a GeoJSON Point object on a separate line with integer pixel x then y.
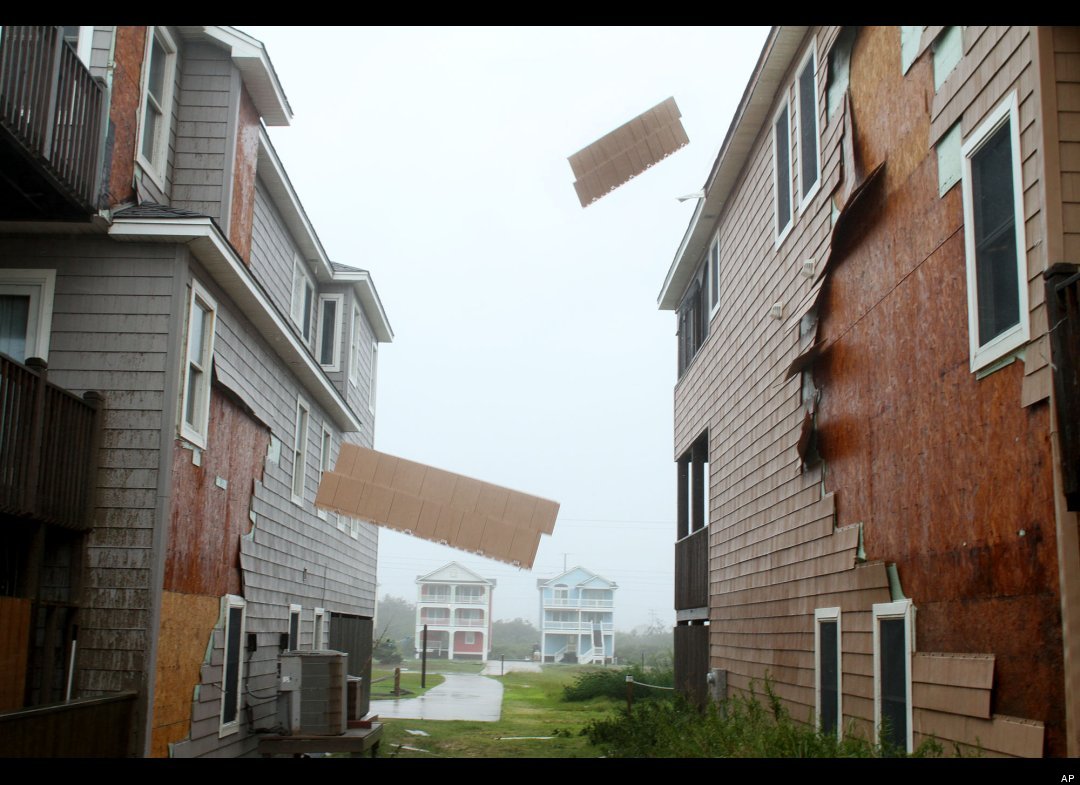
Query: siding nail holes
{"type": "Point", "coordinates": [777, 311]}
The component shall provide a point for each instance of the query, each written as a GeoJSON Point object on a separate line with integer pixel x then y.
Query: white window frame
{"type": "Point", "coordinates": [781, 232]}
{"type": "Point", "coordinates": [326, 448]}
{"type": "Point", "coordinates": [712, 275]}
{"type": "Point", "coordinates": [161, 144]}
{"type": "Point", "coordinates": [318, 630]}
{"type": "Point", "coordinates": [228, 602]}
{"type": "Point", "coordinates": [335, 361]}
{"type": "Point", "coordinates": [300, 450]}
{"type": "Point", "coordinates": [900, 609]}
{"type": "Point", "coordinates": [470, 638]}
{"type": "Point", "coordinates": [985, 354]}
{"type": "Point", "coordinates": [829, 615]}
{"type": "Point", "coordinates": [297, 612]}
{"type": "Point", "coordinates": [302, 288]}
{"type": "Point", "coordinates": [811, 56]}
{"type": "Point", "coordinates": [40, 287]}
{"type": "Point", "coordinates": [198, 432]}
{"type": "Point", "coordinates": [373, 375]}
{"type": "Point", "coordinates": [357, 343]}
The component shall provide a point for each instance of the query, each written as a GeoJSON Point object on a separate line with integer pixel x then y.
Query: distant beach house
{"type": "Point", "coordinates": [577, 611]}
{"type": "Point", "coordinates": [455, 604]}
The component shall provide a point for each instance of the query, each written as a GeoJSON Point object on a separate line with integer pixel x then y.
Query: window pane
{"type": "Point", "coordinates": [197, 336]}
{"type": "Point", "coordinates": [294, 631]}
{"type": "Point", "coordinates": [808, 127]}
{"type": "Point", "coordinates": [232, 665]}
{"type": "Point", "coordinates": [194, 382]}
{"type": "Point", "coordinates": [894, 682]}
{"type": "Point", "coordinates": [783, 171]}
{"type": "Point", "coordinates": [14, 317]}
{"type": "Point", "coordinates": [150, 130]}
{"type": "Point", "coordinates": [997, 287]}
{"type": "Point", "coordinates": [307, 311]}
{"type": "Point", "coordinates": [156, 82]}
{"type": "Point", "coordinates": [329, 332]}
{"type": "Point", "coordinates": [830, 662]}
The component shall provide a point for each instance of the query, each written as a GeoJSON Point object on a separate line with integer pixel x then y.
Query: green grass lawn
{"type": "Point", "coordinates": [532, 706]}
{"type": "Point", "coordinates": [382, 683]}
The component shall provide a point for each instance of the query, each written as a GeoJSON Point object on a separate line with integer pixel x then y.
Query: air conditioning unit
{"type": "Point", "coordinates": [313, 699]}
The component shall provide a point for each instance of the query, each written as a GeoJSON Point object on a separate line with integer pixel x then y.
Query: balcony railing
{"type": "Point", "coordinates": [52, 105]}
{"type": "Point", "coordinates": [48, 446]}
{"type": "Point", "coordinates": [469, 599]}
{"type": "Point", "coordinates": [444, 598]}
{"type": "Point", "coordinates": [469, 622]}
{"type": "Point", "coordinates": [87, 727]}
{"type": "Point", "coordinates": [572, 602]}
{"type": "Point", "coordinates": [692, 570]}
{"type": "Point", "coordinates": [580, 626]}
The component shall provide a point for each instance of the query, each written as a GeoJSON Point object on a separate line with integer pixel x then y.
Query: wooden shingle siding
{"type": "Point", "coordinates": [203, 126]}
{"type": "Point", "coordinates": [100, 50]}
{"type": "Point", "coordinates": [272, 251]}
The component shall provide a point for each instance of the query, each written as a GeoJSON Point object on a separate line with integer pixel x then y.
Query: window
{"type": "Point", "coordinates": [159, 73]}
{"type": "Point", "coordinates": [300, 446]}
{"type": "Point", "coordinates": [232, 669]}
{"type": "Point", "coordinates": [317, 639]}
{"type": "Point", "coordinates": [693, 492]}
{"type": "Point", "coordinates": [354, 366]}
{"type": "Point", "coordinates": [827, 669]}
{"type": "Point", "coordinates": [200, 351]}
{"type": "Point", "coordinates": [470, 638]}
{"type": "Point", "coordinates": [693, 325]}
{"type": "Point", "coordinates": [809, 153]}
{"type": "Point", "coordinates": [894, 641]}
{"type": "Point", "coordinates": [372, 375]}
{"type": "Point", "coordinates": [294, 627]}
{"type": "Point", "coordinates": [561, 595]}
{"type": "Point", "coordinates": [782, 171]}
{"type": "Point", "coordinates": [302, 295]}
{"type": "Point", "coordinates": [712, 274]}
{"type": "Point", "coordinates": [26, 300]}
{"type": "Point", "coordinates": [994, 237]}
{"type": "Point", "coordinates": [325, 449]}
{"type": "Point", "coordinates": [329, 341]}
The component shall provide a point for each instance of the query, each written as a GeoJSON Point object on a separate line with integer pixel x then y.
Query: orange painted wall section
{"type": "Point", "coordinates": [124, 111]}
{"type": "Point", "coordinates": [243, 192]}
{"type": "Point", "coordinates": [950, 475]}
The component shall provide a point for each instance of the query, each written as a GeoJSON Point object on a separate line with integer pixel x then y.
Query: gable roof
{"type": "Point", "coordinates": [592, 578]}
{"type": "Point", "coordinates": [454, 573]}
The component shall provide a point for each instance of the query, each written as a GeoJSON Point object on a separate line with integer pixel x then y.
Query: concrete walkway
{"type": "Point", "coordinates": [463, 696]}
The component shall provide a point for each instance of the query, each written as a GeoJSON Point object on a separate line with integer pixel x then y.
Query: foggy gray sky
{"type": "Point", "coordinates": [528, 350]}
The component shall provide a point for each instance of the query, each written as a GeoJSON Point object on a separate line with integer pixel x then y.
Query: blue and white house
{"type": "Point", "coordinates": [577, 624]}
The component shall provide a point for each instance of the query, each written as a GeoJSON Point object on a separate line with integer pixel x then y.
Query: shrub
{"type": "Point", "coordinates": [739, 728]}
{"type": "Point", "coordinates": [612, 684]}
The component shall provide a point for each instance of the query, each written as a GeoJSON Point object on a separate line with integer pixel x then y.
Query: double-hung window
{"type": "Point", "coordinates": [26, 300]}
{"type": "Point", "coordinates": [809, 153]}
{"type": "Point", "coordinates": [372, 376]}
{"type": "Point", "coordinates": [894, 642]}
{"type": "Point", "coordinates": [782, 209]}
{"type": "Point", "coordinates": [195, 406]}
{"type": "Point", "coordinates": [325, 448]}
{"type": "Point", "coordinates": [827, 672]}
{"type": "Point", "coordinates": [159, 73]}
{"type": "Point", "coordinates": [303, 293]}
{"type": "Point", "coordinates": [712, 274]}
{"type": "Point", "coordinates": [357, 346]}
{"type": "Point", "coordinates": [300, 450]}
{"type": "Point", "coordinates": [994, 237]}
{"type": "Point", "coordinates": [329, 340]}
{"type": "Point", "coordinates": [232, 668]}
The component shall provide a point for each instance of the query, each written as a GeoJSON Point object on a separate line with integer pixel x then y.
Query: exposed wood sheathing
{"type": "Point", "coordinates": [124, 111]}
{"type": "Point", "coordinates": [14, 633]}
{"type": "Point", "coordinates": [203, 562]}
{"type": "Point", "coordinates": [437, 505]}
{"type": "Point", "coordinates": [243, 190]}
{"type": "Point", "coordinates": [186, 623]}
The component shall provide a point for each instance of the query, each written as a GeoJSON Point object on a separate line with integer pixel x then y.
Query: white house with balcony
{"type": "Point", "coordinates": [577, 611]}
{"type": "Point", "coordinates": [455, 604]}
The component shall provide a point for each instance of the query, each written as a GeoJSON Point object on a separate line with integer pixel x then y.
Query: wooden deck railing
{"type": "Point", "coordinates": [48, 446]}
{"type": "Point", "coordinates": [52, 105]}
{"type": "Point", "coordinates": [84, 728]}
{"type": "Point", "coordinates": [692, 570]}
{"type": "Point", "coordinates": [1063, 315]}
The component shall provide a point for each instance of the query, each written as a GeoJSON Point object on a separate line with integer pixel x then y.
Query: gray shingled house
{"type": "Point", "coordinates": [179, 362]}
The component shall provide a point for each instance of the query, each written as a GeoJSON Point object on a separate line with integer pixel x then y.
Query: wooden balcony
{"type": "Point", "coordinates": [1063, 314]}
{"type": "Point", "coordinates": [51, 121]}
{"type": "Point", "coordinates": [84, 728]}
{"type": "Point", "coordinates": [692, 571]}
{"type": "Point", "coordinates": [48, 446]}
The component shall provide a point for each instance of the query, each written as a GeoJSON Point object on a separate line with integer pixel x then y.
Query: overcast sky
{"type": "Point", "coordinates": [528, 348]}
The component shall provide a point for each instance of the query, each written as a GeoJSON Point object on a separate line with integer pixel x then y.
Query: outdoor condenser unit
{"type": "Point", "coordinates": [313, 698]}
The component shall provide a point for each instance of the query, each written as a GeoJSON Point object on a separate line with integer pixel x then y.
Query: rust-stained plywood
{"type": "Point", "coordinates": [187, 621]}
{"type": "Point", "coordinates": [242, 211]}
{"type": "Point", "coordinates": [626, 152]}
{"type": "Point", "coordinates": [14, 633]}
{"type": "Point", "coordinates": [437, 505]}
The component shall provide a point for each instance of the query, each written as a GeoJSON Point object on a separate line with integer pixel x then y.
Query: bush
{"type": "Point", "coordinates": [612, 684]}
{"type": "Point", "coordinates": [742, 727]}
{"type": "Point", "coordinates": [386, 652]}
